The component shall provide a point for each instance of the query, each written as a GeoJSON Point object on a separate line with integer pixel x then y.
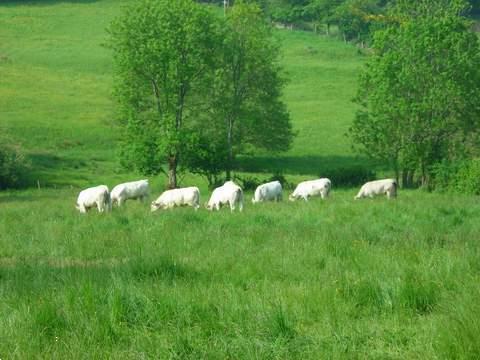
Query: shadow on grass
{"type": "Point", "coordinates": [302, 165]}
{"type": "Point", "coordinates": [48, 160]}
{"type": "Point", "coordinates": [50, 270]}
{"type": "Point", "coordinates": [20, 198]}
{"type": "Point", "coordinates": [47, 169]}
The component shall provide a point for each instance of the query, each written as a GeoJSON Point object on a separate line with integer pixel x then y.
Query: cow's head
{"type": "Point", "coordinates": [291, 197]}
{"type": "Point", "coordinates": [155, 206]}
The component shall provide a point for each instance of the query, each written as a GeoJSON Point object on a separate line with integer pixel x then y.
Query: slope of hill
{"type": "Point", "coordinates": [55, 93]}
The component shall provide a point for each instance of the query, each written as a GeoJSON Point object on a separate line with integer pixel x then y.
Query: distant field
{"type": "Point", "coordinates": [55, 93]}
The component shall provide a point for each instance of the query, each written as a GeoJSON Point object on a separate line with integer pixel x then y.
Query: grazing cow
{"type": "Point", "coordinates": [229, 193]}
{"type": "Point", "coordinates": [311, 188]}
{"type": "Point", "coordinates": [189, 196]}
{"type": "Point", "coordinates": [95, 196]}
{"type": "Point", "coordinates": [130, 190]}
{"type": "Point", "coordinates": [378, 187]}
{"type": "Point", "coordinates": [268, 191]}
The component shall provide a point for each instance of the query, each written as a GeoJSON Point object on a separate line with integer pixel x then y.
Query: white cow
{"type": "Point", "coordinates": [95, 196]}
{"type": "Point", "coordinates": [378, 187]}
{"type": "Point", "coordinates": [229, 193]}
{"type": "Point", "coordinates": [268, 191]}
{"type": "Point", "coordinates": [130, 190]}
{"type": "Point", "coordinates": [189, 196]}
{"type": "Point", "coordinates": [311, 188]}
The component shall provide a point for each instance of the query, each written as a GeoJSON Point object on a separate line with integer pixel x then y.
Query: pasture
{"type": "Point", "coordinates": [324, 279]}
{"type": "Point", "coordinates": [330, 279]}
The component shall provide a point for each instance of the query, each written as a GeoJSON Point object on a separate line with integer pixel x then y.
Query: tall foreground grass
{"type": "Point", "coordinates": [324, 279]}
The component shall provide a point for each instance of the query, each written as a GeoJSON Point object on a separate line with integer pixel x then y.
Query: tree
{"type": "Point", "coordinates": [164, 53]}
{"type": "Point", "coordinates": [323, 11]}
{"type": "Point", "coordinates": [418, 94]}
{"type": "Point", "coordinates": [248, 86]}
{"type": "Point", "coordinates": [356, 19]}
{"type": "Point", "coordinates": [286, 11]}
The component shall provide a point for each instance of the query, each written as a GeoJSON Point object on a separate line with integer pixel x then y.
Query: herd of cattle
{"type": "Point", "coordinates": [228, 194]}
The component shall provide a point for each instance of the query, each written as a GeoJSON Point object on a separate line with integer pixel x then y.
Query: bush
{"type": "Point", "coordinates": [248, 182]}
{"type": "Point", "coordinates": [278, 176]}
{"type": "Point", "coordinates": [349, 176]}
{"type": "Point", "coordinates": [443, 175]}
{"type": "Point", "coordinates": [251, 182]}
{"type": "Point", "coordinates": [460, 177]}
{"type": "Point", "coordinates": [467, 179]}
{"type": "Point", "coordinates": [12, 167]}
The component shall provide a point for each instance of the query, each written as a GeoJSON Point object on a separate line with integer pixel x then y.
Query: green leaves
{"type": "Point", "coordinates": [195, 89]}
{"type": "Point", "coordinates": [164, 56]}
{"type": "Point", "coordinates": [417, 90]}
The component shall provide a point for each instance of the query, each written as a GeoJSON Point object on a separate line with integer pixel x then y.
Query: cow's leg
{"type": "Point", "coordinates": [82, 209]}
{"type": "Point", "coordinates": [305, 197]}
{"type": "Point", "coordinates": [100, 206]}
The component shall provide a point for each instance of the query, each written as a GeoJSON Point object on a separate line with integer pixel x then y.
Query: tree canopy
{"type": "Point", "coordinates": [418, 95]}
{"type": "Point", "coordinates": [164, 53]}
{"type": "Point", "coordinates": [195, 89]}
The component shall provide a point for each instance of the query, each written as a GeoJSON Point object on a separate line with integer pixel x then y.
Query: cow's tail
{"type": "Point", "coordinates": [239, 199]}
{"type": "Point", "coordinates": [328, 188]}
{"type": "Point", "coordinates": [107, 201]}
{"type": "Point", "coordinates": [395, 188]}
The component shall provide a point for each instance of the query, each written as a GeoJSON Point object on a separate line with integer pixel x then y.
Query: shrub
{"type": "Point", "coordinates": [278, 176]}
{"type": "Point", "coordinates": [443, 175]}
{"type": "Point", "coordinates": [467, 179]}
{"type": "Point", "coordinates": [349, 176]}
{"type": "Point", "coordinates": [13, 166]}
{"type": "Point", "coordinates": [460, 177]}
{"type": "Point", "coordinates": [248, 182]}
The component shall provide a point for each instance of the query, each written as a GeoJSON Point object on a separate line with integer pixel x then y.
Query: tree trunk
{"type": "Point", "coordinates": [407, 178]}
{"type": "Point", "coordinates": [425, 179]}
{"type": "Point", "coordinates": [397, 171]}
{"type": "Point", "coordinates": [228, 172]}
{"type": "Point", "coordinates": [172, 171]}
{"type": "Point", "coordinates": [410, 177]}
{"type": "Point", "coordinates": [404, 178]}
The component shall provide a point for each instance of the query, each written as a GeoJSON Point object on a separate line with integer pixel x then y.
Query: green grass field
{"type": "Point", "coordinates": [334, 279]}
{"type": "Point", "coordinates": [56, 85]}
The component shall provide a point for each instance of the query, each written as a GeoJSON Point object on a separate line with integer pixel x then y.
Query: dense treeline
{"type": "Point", "coordinates": [354, 20]}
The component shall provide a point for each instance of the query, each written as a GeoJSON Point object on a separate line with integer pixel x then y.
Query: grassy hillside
{"type": "Point", "coordinates": [55, 93]}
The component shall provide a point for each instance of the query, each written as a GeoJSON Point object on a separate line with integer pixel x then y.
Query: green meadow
{"type": "Point", "coordinates": [333, 279]}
